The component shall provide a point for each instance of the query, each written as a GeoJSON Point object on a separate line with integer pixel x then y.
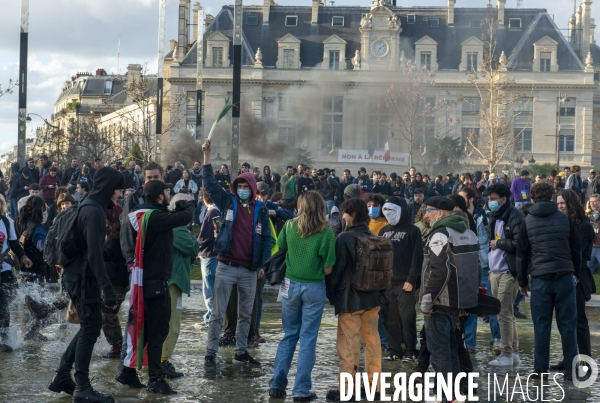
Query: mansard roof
{"type": "Point", "coordinates": [518, 42]}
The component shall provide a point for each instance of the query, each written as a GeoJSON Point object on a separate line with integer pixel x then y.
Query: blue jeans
{"type": "Point", "coordinates": [595, 260]}
{"type": "Point", "coordinates": [441, 342]}
{"type": "Point", "coordinates": [471, 332]}
{"type": "Point", "coordinates": [301, 314]}
{"type": "Point", "coordinates": [381, 330]}
{"type": "Point", "coordinates": [494, 326]}
{"type": "Point", "coordinates": [209, 268]}
{"type": "Point", "coordinates": [14, 209]}
{"type": "Point", "coordinates": [330, 204]}
{"type": "Point", "coordinates": [548, 297]}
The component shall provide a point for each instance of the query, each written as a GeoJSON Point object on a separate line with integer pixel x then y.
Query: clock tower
{"type": "Point", "coordinates": [380, 38]}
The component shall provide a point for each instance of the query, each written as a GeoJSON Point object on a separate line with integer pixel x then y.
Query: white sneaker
{"type": "Point", "coordinates": [516, 359]}
{"type": "Point", "coordinates": [502, 361]}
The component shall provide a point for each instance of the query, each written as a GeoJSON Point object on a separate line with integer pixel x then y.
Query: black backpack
{"type": "Point", "coordinates": [62, 242]}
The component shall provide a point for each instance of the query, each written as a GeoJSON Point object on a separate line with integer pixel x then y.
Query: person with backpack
{"type": "Point", "coordinates": [32, 238]}
{"type": "Point", "coordinates": [310, 255]}
{"type": "Point", "coordinates": [401, 321]}
{"type": "Point", "coordinates": [357, 311]}
{"type": "Point", "coordinates": [87, 282]}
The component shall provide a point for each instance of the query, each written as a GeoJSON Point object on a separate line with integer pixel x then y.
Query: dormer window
{"type": "Point", "coordinates": [411, 18]}
{"type": "Point", "coordinates": [337, 21]}
{"type": "Point", "coordinates": [291, 21]}
{"type": "Point", "coordinates": [217, 53]}
{"type": "Point", "coordinates": [471, 61]}
{"type": "Point", "coordinates": [545, 55]}
{"type": "Point", "coordinates": [252, 20]}
{"type": "Point", "coordinates": [514, 23]}
{"type": "Point", "coordinates": [108, 87]}
{"type": "Point", "coordinates": [288, 58]}
{"type": "Point", "coordinates": [433, 23]}
{"type": "Point", "coordinates": [288, 52]}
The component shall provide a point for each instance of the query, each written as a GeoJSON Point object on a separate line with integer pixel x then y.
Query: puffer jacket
{"type": "Point", "coordinates": [548, 244]}
{"type": "Point", "coordinates": [513, 219]}
{"type": "Point", "coordinates": [262, 241]}
{"type": "Point", "coordinates": [339, 291]}
{"type": "Point", "coordinates": [451, 271]}
{"type": "Point", "coordinates": [330, 188]}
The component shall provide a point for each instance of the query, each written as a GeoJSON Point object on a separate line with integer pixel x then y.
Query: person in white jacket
{"type": "Point", "coordinates": [186, 184]}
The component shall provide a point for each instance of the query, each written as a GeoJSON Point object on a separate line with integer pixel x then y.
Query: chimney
{"type": "Point", "coordinates": [572, 29]}
{"type": "Point", "coordinates": [266, 11]}
{"type": "Point", "coordinates": [578, 27]}
{"type": "Point", "coordinates": [184, 15]}
{"type": "Point", "coordinates": [315, 11]}
{"type": "Point", "coordinates": [586, 16]}
{"type": "Point", "coordinates": [172, 45]}
{"type": "Point", "coordinates": [100, 72]}
{"type": "Point", "coordinates": [195, 23]}
{"type": "Point", "coordinates": [501, 4]}
{"type": "Point", "coordinates": [209, 19]}
{"type": "Point", "coordinates": [451, 4]}
{"type": "Point", "coordinates": [134, 73]}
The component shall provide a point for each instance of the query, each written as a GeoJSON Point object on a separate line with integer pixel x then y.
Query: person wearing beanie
{"type": "Point", "coordinates": [450, 281]}
{"type": "Point", "coordinates": [520, 190]}
{"type": "Point", "coordinates": [351, 192]}
{"type": "Point", "coordinates": [401, 322]}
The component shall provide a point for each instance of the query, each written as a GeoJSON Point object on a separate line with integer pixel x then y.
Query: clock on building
{"type": "Point", "coordinates": [379, 48]}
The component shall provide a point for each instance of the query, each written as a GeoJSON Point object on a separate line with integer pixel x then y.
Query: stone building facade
{"type": "Point", "coordinates": [314, 77]}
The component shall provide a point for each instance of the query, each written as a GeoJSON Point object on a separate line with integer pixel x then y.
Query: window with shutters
{"type": "Point", "coordinates": [333, 115]}
{"type": "Point", "coordinates": [288, 58]}
{"type": "Point", "coordinates": [217, 54]}
{"type": "Point", "coordinates": [334, 60]}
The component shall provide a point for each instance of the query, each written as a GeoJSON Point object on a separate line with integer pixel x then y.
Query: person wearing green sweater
{"type": "Point", "coordinates": [310, 245]}
{"type": "Point", "coordinates": [185, 250]}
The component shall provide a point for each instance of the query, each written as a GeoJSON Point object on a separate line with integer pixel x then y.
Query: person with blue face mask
{"type": "Point", "coordinates": [243, 245]}
{"type": "Point", "coordinates": [504, 227]}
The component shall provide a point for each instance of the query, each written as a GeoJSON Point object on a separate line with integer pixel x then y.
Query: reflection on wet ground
{"type": "Point", "coordinates": [27, 370]}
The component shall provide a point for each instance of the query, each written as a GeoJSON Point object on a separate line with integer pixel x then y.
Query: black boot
{"type": "Point", "coordinates": [558, 367]}
{"type": "Point", "coordinates": [89, 395]}
{"type": "Point", "coordinates": [168, 370]}
{"type": "Point", "coordinates": [160, 386]}
{"type": "Point", "coordinates": [62, 383]}
{"type": "Point", "coordinates": [128, 376]}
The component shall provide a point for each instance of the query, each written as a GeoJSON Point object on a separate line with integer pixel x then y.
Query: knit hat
{"type": "Point", "coordinates": [352, 191]}
{"type": "Point", "coordinates": [393, 176]}
{"type": "Point", "coordinates": [418, 191]}
{"type": "Point", "coordinates": [524, 173]}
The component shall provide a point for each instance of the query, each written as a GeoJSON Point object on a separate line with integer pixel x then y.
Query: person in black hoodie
{"type": "Point", "coordinates": [158, 265]}
{"type": "Point", "coordinates": [569, 203]}
{"type": "Point", "coordinates": [88, 285]}
{"type": "Point", "coordinates": [266, 176]}
{"type": "Point", "coordinates": [550, 254]}
{"type": "Point", "coordinates": [401, 321]}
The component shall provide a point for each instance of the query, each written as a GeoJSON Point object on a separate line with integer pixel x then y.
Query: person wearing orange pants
{"type": "Point", "coordinates": [358, 311]}
{"type": "Point", "coordinates": [352, 328]}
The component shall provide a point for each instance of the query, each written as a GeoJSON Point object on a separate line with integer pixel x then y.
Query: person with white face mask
{"type": "Point", "coordinates": [401, 322]}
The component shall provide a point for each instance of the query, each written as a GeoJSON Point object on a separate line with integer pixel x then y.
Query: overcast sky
{"type": "Point", "coordinates": [67, 36]}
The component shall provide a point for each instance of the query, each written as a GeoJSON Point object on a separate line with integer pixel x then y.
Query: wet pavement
{"type": "Point", "coordinates": [26, 371]}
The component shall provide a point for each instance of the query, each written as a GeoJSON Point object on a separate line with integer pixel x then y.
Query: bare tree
{"type": "Point", "coordinates": [91, 141]}
{"type": "Point", "coordinates": [416, 114]}
{"type": "Point", "coordinates": [496, 106]}
{"type": "Point", "coordinates": [133, 121]}
{"type": "Point", "coordinates": [9, 88]}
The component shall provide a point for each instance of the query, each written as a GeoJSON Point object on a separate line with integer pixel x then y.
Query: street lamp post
{"type": "Point", "coordinates": [559, 101]}
{"type": "Point", "coordinates": [28, 119]}
{"type": "Point", "coordinates": [237, 81]}
{"type": "Point", "coordinates": [23, 81]}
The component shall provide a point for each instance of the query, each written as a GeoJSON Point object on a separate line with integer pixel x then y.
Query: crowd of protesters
{"type": "Point", "coordinates": [494, 231]}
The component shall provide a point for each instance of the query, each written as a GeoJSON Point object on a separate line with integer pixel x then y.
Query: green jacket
{"type": "Point", "coordinates": [185, 248]}
{"type": "Point", "coordinates": [288, 182]}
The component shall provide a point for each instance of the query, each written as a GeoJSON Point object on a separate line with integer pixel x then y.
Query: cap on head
{"type": "Point", "coordinates": [156, 188]}
{"type": "Point", "coordinates": [524, 172]}
{"type": "Point", "coordinates": [320, 172]}
{"type": "Point", "coordinates": [418, 191]}
{"type": "Point", "coordinates": [362, 169]}
{"type": "Point", "coordinates": [440, 203]}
